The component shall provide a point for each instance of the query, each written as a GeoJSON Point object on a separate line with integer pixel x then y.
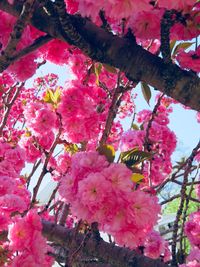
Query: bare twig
{"type": "Point", "coordinates": [35, 166]}
{"type": "Point", "coordinates": [188, 165]}
{"type": "Point", "coordinates": [64, 214]}
{"type": "Point", "coordinates": [170, 199]}
{"type": "Point", "coordinates": [153, 115]}
{"type": "Point", "coordinates": [184, 216]}
{"type": "Point", "coordinates": [44, 169]}
{"type": "Point", "coordinates": [34, 46]}
{"type": "Point", "coordinates": [116, 100]}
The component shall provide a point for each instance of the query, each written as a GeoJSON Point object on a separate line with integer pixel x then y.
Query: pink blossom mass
{"type": "Point", "coordinates": [94, 151]}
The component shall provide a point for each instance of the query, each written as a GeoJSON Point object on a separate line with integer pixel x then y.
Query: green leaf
{"type": "Point", "coordinates": [71, 148]}
{"type": "Point", "coordinates": [110, 68]}
{"type": "Point", "coordinates": [135, 127]}
{"type": "Point", "coordinates": [52, 97]}
{"type": "Point", "coordinates": [172, 44]}
{"type": "Point", "coordinates": [108, 151]}
{"type": "Point", "coordinates": [134, 157]}
{"type": "Point", "coordinates": [47, 97]}
{"type": "Point", "coordinates": [146, 91]}
{"type": "Point", "coordinates": [184, 46]}
{"type": "Point", "coordinates": [57, 94]}
{"type": "Point", "coordinates": [97, 71]}
{"type": "Point", "coordinates": [137, 178]}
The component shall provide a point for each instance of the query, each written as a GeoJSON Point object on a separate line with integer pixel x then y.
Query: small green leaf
{"type": "Point", "coordinates": [134, 157]}
{"type": "Point", "coordinates": [47, 97]}
{"type": "Point", "coordinates": [172, 44]}
{"type": "Point", "coordinates": [137, 178]}
{"type": "Point", "coordinates": [146, 91]}
{"type": "Point", "coordinates": [110, 68]}
{"type": "Point", "coordinates": [108, 151]}
{"type": "Point", "coordinates": [57, 94]}
{"type": "Point", "coordinates": [97, 71]}
{"type": "Point", "coordinates": [71, 148]}
{"type": "Point", "coordinates": [52, 97]}
{"type": "Point", "coordinates": [135, 127]}
{"type": "Point", "coordinates": [184, 46]}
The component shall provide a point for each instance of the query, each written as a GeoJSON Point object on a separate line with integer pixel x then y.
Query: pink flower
{"type": "Point", "coordinates": [93, 192]}
{"type": "Point", "coordinates": [6, 185]}
{"type": "Point", "coordinates": [19, 235]}
{"type": "Point", "coordinates": [12, 203]}
{"type": "Point", "coordinates": [194, 255]}
{"type": "Point", "coordinates": [178, 4]}
{"type": "Point", "coordinates": [154, 245]}
{"type": "Point", "coordinates": [132, 139]}
{"type": "Point", "coordinates": [192, 228]}
{"type": "Point", "coordinates": [119, 177]}
{"type": "Point", "coordinates": [190, 60]}
{"type": "Point", "coordinates": [144, 216]}
{"type": "Point", "coordinates": [78, 108]}
{"type": "Point", "coordinates": [63, 163]}
{"type": "Point", "coordinates": [56, 51]}
{"type": "Point", "coordinates": [84, 163]}
{"type": "Point", "coordinates": [146, 25]}
{"type": "Point", "coordinates": [198, 117]}
{"type": "Point", "coordinates": [25, 237]}
{"type": "Point", "coordinates": [16, 156]}
{"type": "Point", "coordinates": [100, 192]}
{"type": "Point", "coordinates": [46, 141]}
{"type": "Point", "coordinates": [197, 190]}
{"type": "Point", "coordinates": [40, 118]}
{"type": "Point", "coordinates": [31, 149]}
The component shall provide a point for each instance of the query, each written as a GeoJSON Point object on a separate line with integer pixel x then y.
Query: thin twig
{"type": "Point", "coordinates": [34, 46]}
{"type": "Point", "coordinates": [153, 115]}
{"type": "Point", "coordinates": [170, 199]}
{"type": "Point", "coordinates": [44, 169]}
{"type": "Point", "coordinates": [35, 166]}
{"type": "Point", "coordinates": [188, 165]}
{"type": "Point", "coordinates": [184, 216]}
{"type": "Point", "coordinates": [64, 214]}
{"type": "Point", "coordinates": [116, 100]}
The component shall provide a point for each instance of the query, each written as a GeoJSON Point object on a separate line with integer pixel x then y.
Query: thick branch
{"type": "Point", "coordinates": [100, 249]}
{"type": "Point", "coordinates": [136, 62]}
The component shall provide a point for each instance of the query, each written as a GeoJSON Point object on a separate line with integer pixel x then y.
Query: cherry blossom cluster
{"type": "Point", "coordinates": [161, 141]}
{"type": "Point", "coordinates": [95, 189]}
{"type": "Point", "coordinates": [27, 242]}
{"type": "Point", "coordinates": [190, 60]}
{"type": "Point", "coordinates": [155, 246]}
{"type": "Point", "coordinates": [192, 230]}
{"type": "Point", "coordinates": [103, 192]}
{"type": "Point", "coordinates": [79, 108]}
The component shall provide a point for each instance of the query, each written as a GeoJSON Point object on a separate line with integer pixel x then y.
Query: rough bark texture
{"type": "Point", "coordinates": [106, 252]}
{"type": "Point", "coordinates": [136, 62]}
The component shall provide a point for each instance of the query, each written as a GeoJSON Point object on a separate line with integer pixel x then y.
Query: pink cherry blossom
{"type": "Point", "coordinates": [192, 228]}
{"type": "Point", "coordinates": [132, 139]}
{"type": "Point", "coordinates": [154, 245]}
{"type": "Point", "coordinates": [190, 60]}
{"type": "Point", "coordinates": [179, 4]}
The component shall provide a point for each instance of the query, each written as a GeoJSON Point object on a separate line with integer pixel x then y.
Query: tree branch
{"type": "Point", "coordinates": [100, 249]}
{"type": "Point", "coordinates": [137, 63]}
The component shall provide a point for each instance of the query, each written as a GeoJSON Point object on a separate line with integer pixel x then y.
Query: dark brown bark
{"type": "Point", "coordinates": [136, 62]}
{"type": "Point", "coordinates": [105, 252]}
